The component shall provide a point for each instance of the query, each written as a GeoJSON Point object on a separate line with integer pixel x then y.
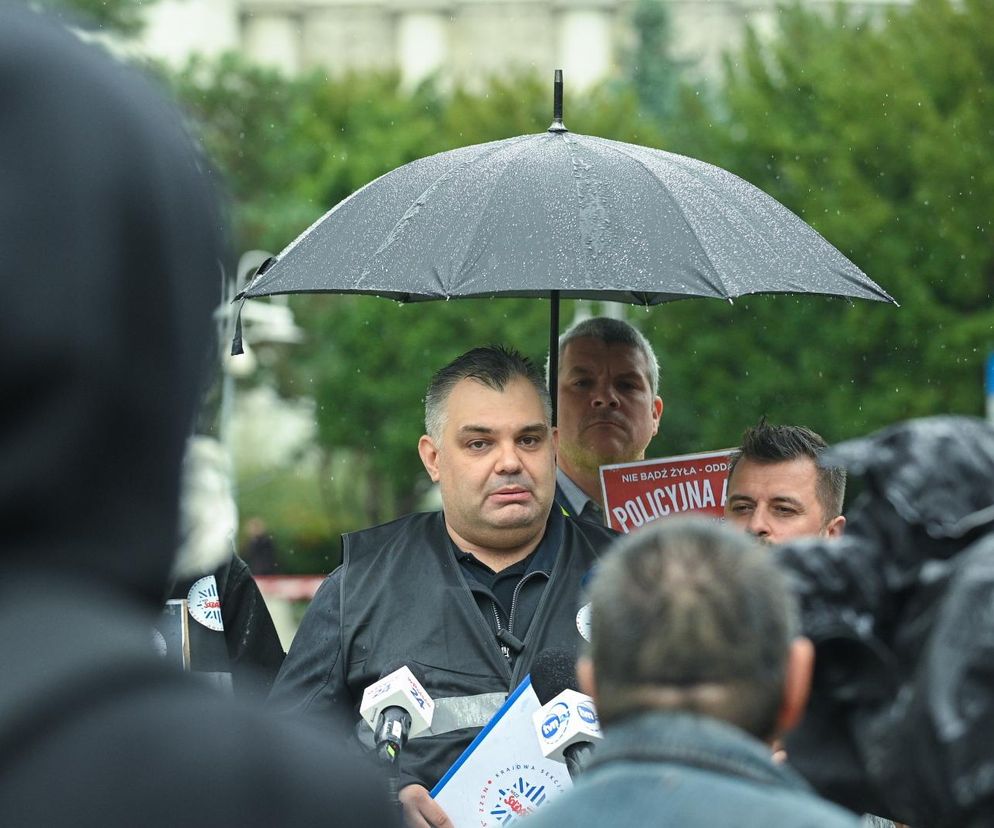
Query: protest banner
{"type": "Point", "coordinates": [639, 493]}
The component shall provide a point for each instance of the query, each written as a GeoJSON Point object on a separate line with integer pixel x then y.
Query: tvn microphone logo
{"type": "Point", "coordinates": [555, 721]}
{"type": "Point", "coordinates": [586, 712]}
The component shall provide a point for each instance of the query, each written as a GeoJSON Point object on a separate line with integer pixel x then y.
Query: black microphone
{"type": "Point", "coordinates": [567, 724]}
{"type": "Point", "coordinates": [396, 707]}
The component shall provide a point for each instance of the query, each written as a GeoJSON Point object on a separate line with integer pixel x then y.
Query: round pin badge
{"type": "Point", "coordinates": [583, 622]}
{"type": "Point", "coordinates": [159, 643]}
{"type": "Point", "coordinates": [204, 604]}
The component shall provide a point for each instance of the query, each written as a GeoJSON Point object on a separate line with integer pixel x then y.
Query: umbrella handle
{"type": "Point", "coordinates": [554, 354]}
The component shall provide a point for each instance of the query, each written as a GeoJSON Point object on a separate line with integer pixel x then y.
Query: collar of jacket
{"type": "Point", "coordinates": [697, 741]}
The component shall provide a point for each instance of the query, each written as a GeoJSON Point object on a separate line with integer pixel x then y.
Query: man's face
{"type": "Point", "coordinates": [778, 502]}
{"type": "Point", "coordinates": [495, 464]}
{"type": "Point", "coordinates": [607, 411]}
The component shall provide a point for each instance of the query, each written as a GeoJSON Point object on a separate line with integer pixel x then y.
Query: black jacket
{"type": "Point", "coordinates": [400, 597]}
{"type": "Point", "coordinates": [249, 647]}
{"type": "Point", "coordinates": [111, 254]}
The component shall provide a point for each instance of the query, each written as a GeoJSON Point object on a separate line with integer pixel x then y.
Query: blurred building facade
{"type": "Point", "coordinates": [457, 40]}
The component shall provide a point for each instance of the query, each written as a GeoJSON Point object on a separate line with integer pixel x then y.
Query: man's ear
{"type": "Point", "coordinates": [585, 678]}
{"type": "Point", "coordinates": [429, 456]}
{"type": "Point", "coordinates": [657, 412]}
{"type": "Point", "coordinates": [835, 527]}
{"type": "Point", "coordinates": [796, 684]}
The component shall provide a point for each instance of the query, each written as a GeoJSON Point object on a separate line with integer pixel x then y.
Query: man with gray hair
{"type": "Point", "coordinates": [695, 668]}
{"type": "Point", "coordinates": [470, 594]}
{"type": "Point", "coordinates": [778, 490]}
{"type": "Point", "coordinates": [609, 407]}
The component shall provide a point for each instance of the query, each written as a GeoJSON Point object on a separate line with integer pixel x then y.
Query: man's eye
{"type": "Point", "coordinates": [477, 445]}
{"type": "Point", "coordinates": [785, 511]}
{"type": "Point", "coordinates": [529, 441]}
{"type": "Point", "coordinates": [740, 509]}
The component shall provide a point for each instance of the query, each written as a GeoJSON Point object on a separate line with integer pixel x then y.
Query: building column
{"type": "Point", "coordinates": [274, 40]}
{"type": "Point", "coordinates": [422, 45]}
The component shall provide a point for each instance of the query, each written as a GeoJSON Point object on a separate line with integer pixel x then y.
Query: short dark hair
{"type": "Point", "coordinates": [765, 443]}
{"type": "Point", "coordinates": [688, 614]}
{"type": "Point", "coordinates": [494, 366]}
{"type": "Point", "coordinates": [614, 331]}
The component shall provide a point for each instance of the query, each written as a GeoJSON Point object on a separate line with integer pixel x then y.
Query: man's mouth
{"type": "Point", "coordinates": [614, 423]}
{"type": "Point", "coordinates": [511, 494]}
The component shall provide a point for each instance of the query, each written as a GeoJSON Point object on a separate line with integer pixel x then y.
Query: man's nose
{"type": "Point", "coordinates": [759, 524]}
{"type": "Point", "coordinates": [508, 459]}
{"type": "Point", "coordinates": [605, 396]}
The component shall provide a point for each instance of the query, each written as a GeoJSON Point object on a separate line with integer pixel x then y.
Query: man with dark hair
{"type": "Point", "coordinates": [695, 668]}
{"type": "Point", "coordinates": [608, 404]}
{"type": "Point", "coordinates": [112, 241]}
{"type": "Point", "coordinates": [471, 594]}
{"type": "Point", "coordinates": [779, 490]}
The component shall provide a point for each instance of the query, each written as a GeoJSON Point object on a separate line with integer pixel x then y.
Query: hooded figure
{"type": "Point", "coordinates": [111, 251]}
{"type": "Point", "coordinates": [901, 611]}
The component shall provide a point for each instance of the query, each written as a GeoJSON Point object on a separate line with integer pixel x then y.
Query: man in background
{"type": "Point", "coordinates": [608, 405]}
{"type": "Point", "coordinates": [111, 248]}
{"type": "Point", "coordinates": [695, 669]}
{"type": "Point", "coordinates": [777, 488]}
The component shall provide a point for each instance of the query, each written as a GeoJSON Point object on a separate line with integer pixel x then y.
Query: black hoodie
{"type": "Point", "coordinates": [109, 253]}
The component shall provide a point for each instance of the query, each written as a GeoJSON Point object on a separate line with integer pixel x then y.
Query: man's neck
{"type": "Point", "coordinates": [586, 481]}
{"type": "Point", "coordinates": [496, 558]}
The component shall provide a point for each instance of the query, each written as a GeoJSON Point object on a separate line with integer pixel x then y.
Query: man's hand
{"type": "Point", "coordinates": [420, 810]}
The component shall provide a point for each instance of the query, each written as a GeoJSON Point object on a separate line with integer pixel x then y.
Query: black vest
{"type": "Point", "coordinates": [405, 601]}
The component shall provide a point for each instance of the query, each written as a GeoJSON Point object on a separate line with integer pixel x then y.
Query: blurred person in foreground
{"type": "Point", "coordinates": [111, 249]}
{"type": "Point", "coordinates": [778, 489]}
{"type": "Point", "coordinates": [467, 596]}
{"type": "Point", "coordinates": [695, 668]}
{"type": "Point", "coordinates": [900, 612]}
{"type": "Point", "coordinates": [608, 408]}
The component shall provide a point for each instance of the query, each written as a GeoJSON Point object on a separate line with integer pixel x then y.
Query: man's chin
{"type": "Point", "coordinates": [516, 516]}
{"type": "Point", "coordinates": [610, 457]}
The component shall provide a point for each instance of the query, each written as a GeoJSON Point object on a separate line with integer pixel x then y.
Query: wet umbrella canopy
{"type": "Point", "coordinates": [558, 214]}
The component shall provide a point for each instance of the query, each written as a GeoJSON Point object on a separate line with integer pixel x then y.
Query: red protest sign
{"type": "Point", "coordinates": [644, 491]}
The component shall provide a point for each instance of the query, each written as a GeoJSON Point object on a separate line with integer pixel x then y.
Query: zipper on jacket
{"type": "Point", "coordinates": [504, 649]}
{"type": "Point", "coordinates": [505, 636]}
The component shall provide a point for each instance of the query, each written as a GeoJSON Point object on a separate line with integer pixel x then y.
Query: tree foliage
{"type": "Point", "coordinates": [876, 131]}
{"type": "Point", "coordinates": [122, 17]}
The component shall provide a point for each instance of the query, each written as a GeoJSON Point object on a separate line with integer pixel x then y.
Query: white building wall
{"type": "Point", "coordinates": [176, 29]}
{"type": "Point", "coordinates": [462, 41]}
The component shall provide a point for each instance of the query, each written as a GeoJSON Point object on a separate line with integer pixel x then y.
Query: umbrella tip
{"type": "Point", "coordinates": [557, 125]}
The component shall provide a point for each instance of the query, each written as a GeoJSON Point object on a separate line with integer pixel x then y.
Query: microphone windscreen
{"type": "Point", "coordinates": [554, 670]}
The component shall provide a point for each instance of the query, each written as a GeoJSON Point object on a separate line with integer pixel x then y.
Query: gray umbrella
{"type": "Point", "coordinates": [561, 215]}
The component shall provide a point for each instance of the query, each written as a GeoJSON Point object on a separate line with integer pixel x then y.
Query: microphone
{"type": "Point", "coordinates": [397, 708]}
{"type": "Point", "coordinates": [567, 723]}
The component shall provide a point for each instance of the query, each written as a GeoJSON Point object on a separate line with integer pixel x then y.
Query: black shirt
{"type": "Point", "coordinates": [500, 587]}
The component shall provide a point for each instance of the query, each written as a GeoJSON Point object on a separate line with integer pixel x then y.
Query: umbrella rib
{"type": "Point", "coordinates": [614, 145]}
{"type": "Point", "coordinates": [570, 149]}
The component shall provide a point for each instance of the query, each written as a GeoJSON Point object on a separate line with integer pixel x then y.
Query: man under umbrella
{"type": "Point", "coordinates": [608, 405]}
{"type": "Point", "coordinates": [469, 595]}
